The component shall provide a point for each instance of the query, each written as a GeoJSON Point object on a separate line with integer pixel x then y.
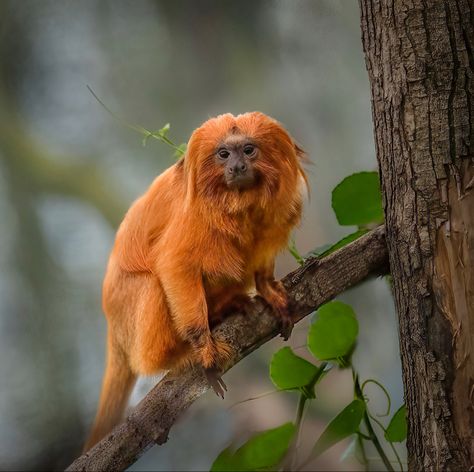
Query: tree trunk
{"type": "Point", "coordinates": [419, 55]}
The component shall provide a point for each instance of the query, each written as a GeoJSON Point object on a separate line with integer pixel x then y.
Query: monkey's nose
{"type": "Point", "coordinates": [238, 168]}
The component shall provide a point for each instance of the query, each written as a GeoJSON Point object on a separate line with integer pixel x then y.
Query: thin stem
{"type": "Point", "coordinates": [257, 397]}
{"type": "Point", "coordinates": [381, 426]}
{"type": "Point", "coordinates": [317, 377]}
{"type": "Point", "coordinates": [302, 345]}
{"type": "Point", "coordinates": [298, 423]}
{"type": "Point", "coordinates": [294, 252]}
{"type": "Point", "coordinates": [368, 424]}
{"type": "Point", "coordinates": [360, 443]}
{"type": "Point", "coordinates": [299, 413]}
{"type": "Point", "coordinates": [306, 394]}
{"type": "Point", "coordinates": [290, 462]}
{"type": "Point", "coordinates": [377, 444]}
{"type": "Point", "coordinates": [384, 390]}
{"type": "Point", "coordinates": [165, 140]}
{"type": "Point", "coordinates": [139, 129]}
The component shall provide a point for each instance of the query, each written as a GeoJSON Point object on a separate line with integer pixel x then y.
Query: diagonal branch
{"type": "Point", "coordinates": [315, 283]}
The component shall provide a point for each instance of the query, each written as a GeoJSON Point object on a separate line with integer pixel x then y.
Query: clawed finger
{"type": "Point", "coordinates": [216, 382]}
{"type": "Point", "coordinates": [286, 327]}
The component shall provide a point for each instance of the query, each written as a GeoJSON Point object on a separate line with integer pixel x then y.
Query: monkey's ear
{"type": "Point", "coordinates": [300, 152]}
{"type": "Point", "coordinates": [304, 159]}
{"type": "Point", "coordinates": [190, 179]}
{"type": "Point", "coordinates": [190, 162]}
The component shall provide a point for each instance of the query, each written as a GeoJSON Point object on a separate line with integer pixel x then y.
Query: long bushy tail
{"type": "Point", "coordinates": [116, 387]}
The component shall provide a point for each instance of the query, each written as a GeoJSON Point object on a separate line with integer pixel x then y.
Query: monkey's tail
{"type": "Point", "coordinates": [117, 384]}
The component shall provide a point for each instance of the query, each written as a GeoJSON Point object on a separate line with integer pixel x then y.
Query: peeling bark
{"type": "Point", "coordinates": [419, 56]}
{"type": "Point", "coordinates": [453, 284]}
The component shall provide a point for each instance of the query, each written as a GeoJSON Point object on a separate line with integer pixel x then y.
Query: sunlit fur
{"type": "Point", "coordinates": [187, 247]}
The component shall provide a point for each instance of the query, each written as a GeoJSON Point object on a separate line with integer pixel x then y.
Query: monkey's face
{"type": "Point", "coordinates": [237, 155]}
{"type": "Point", "coordinates": [246, 158]}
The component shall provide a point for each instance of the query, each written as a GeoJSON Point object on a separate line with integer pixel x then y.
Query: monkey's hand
{"type": "Point", "coordinates": [287, 324]}
{"type": "Point", "coordinates": [274, 293]}
{"type": "Point", "coordinates": [281, 307]}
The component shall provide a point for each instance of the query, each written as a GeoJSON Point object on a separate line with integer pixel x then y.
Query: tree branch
{"type": "Point", "coordinates": [315, 283]}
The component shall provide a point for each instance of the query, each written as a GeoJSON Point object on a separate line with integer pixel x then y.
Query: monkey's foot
{"type": "Point", "coordinates": [215, 381]}
{"type": "Point", "coordinates": [239, 304]}
{"type": "Point", "coordinates": [215, 355]}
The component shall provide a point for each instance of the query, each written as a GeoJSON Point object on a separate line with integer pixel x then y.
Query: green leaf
{"type": "Point", "coordinates": [145, 139]}
{"type": "Point", "coordinates": [294, 252]}
{"type": "Point", "coordinates": [343, 425]}
{"type": "Point", "coordinates": [180, 150]}
{"type": "Point", "coordinates": [263, 451]}
{"type": "Point", "coordinates": [164, 131]}
{"type": "Point", "coordinates": [224, 462]}
{"type": "Point", "coordinates": [319, 251]}
{"type": "Point", "coordinates": [357, 200]}
{"type": "Point", "coordinates": [334, 331]}
{"type": "Point", "coordinates": [328, 249]}
{"type": "Point", "coordinates": [289, 371]}
{"type": "Point", "coordinates": [397, 428]}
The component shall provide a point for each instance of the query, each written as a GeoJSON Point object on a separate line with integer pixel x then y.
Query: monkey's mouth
{"type": "Point", "coordinates": [240, 182]}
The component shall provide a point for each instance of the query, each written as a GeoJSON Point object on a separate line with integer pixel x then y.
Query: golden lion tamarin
{"type": "Point", "coordinates": [206, 231]}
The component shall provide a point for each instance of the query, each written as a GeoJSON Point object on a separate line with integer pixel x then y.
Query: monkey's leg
{"type": "Point", "coordinates": [186, 297]}
{"type": "Point", "coordinates": [275, 295]}
{"type": "Point", "coordinates": [224, 304]}
{"type": "Point", "coordinates": [157, 345]}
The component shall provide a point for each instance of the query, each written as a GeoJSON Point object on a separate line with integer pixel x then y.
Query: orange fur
{"type": "Point", "coordinates": [187, 247]}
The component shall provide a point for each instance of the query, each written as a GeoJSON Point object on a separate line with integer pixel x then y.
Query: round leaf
{"type": "Point", "coordinates": [357, 200]}
{"type": "Point", "coordinates": [289, 371]}
{"type": "Point", "coordinates": [334, 331]}
{"type": "Point", "coordinates": [397, 428]}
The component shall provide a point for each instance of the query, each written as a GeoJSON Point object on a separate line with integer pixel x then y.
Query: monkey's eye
{"type": "Point", "coordinates": [223, 154]}
{"type": "Point", "coordinates": [249, 150]}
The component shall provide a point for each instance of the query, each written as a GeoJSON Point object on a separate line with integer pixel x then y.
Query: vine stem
{"type": "Point", "coordinates": [139, 129]}
{"type": "Point", "coordinates": [360, 442]}
{"type": "Point", "coordinates": [299, 420]}
{"type": "Point", "coordinates": [376, 442]}
{"type": "Point", "coordinates": [299, 412]}
{"type": "Point", "coordinates": [290, 461]}
{"type": "Point", "coordinates": [306, 394]}
{"type": "Point", "coordinates": [368, 424]}
{"type": "Point", "coordinates": [381, 426]}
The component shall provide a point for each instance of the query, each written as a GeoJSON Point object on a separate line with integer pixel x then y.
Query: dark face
{"type": "Point", "coordinates": [237, 154]}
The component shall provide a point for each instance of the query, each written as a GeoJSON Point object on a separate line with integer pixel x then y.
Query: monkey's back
{"type": "Point", "coordinates": [146, 220]}
{"type": "Point", "coordinates": [132, 293]}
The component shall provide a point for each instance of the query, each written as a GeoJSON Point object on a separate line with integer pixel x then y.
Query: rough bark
{"type": "Point", "coordinates": [313, 284]}
{"type": "Point", "coordinates": [419, 55]}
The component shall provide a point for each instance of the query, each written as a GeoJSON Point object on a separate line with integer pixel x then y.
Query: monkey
{"type": "Point", "coordinates": [204, 234]}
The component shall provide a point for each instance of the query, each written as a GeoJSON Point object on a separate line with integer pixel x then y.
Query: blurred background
{"type": "Point", "coordinates": [68, 172]}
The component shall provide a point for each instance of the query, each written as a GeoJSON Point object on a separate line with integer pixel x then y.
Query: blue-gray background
{"type": "Point", "coordinates": [68, 172]}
